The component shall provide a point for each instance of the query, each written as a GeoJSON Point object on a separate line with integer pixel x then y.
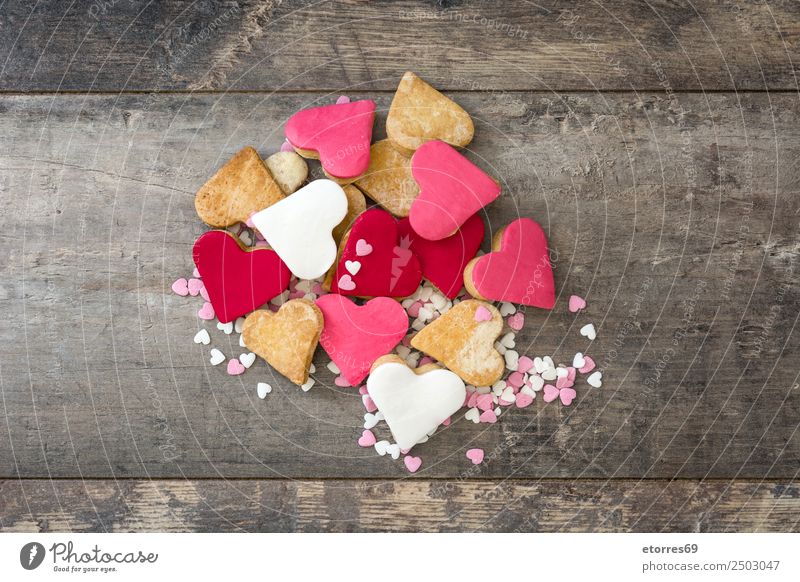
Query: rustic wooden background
{"type": "Point", "coordinates": [657, 142]}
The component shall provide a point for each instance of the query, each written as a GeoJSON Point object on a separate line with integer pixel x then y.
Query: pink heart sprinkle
{"type": "Point", "coordinates": [317, 289]}
{"type": "Point", "coordinates": [204, 293]}
{"type": "Point", "coordinates": [413, 309]}
{"type": "Point", "coordinates": [472, 400]}
{"type": "Point", "coordinates": [363, 248]}
{"type": "Point", "coordinates": [571, 373]}
{"type": "Point", "coordinates": [485, 402]}
{"type": "Point", "coordinates": [249, 222]}
{"type": "Point", "coordinates": [446, 421]}
{"type": "Point", "coordinates": [576, 304]}
{"type": "Point", "coordinates": [523, 400]}
{"type": "Point", "coordinates": [346, 283]}
{"type": "Point", "coordinates": [588, 365]}
{"type": "Point", "coordinates": [425, 360]}
{"type": "Point", "coordinates": [369, 404]}
{"type": "Point", "coordinates": [406, 341]}
{"type": "Point", "coordinates": [515, 380]}
{"type": "Point", "coordinates": [482, 314]}
{"type": "Point", "coordinates": [194, 286]}
{"type": "Point", "coordinates": [286, 146]}
{"type": "Point", "coordinates": [488, 416]}
{"type": "Point", "coordinates": [297, 295]}
{"type": "Point", "coordinates": [516, 321]}
{"type": "Point", "coordinates": [524, 364]}
{"type": "Point", "coordinates": [476, 456]}
{"type": "Point", "coordinates": [342, 99]}
{"type": "Point", "coordinates": [206, 311]}
{"type": "Point", "coordinates": [550, 393]}
{"type": "Point", "coordinates": [367, 439]}
{"type": "Point", "coordinates": [180, 287]}
{"type": "Point", "coordinates": [273, 308]}
{"type": "Point", "coordinates": [196, 274]}
{"type": "Point", "coordinates": [412, 463]}
{"type": "Point", "coordinates": [341, 382]}
{"type": "Point", "coordinates": [405, 451]}
{"type": "Point", "coordinates": [567, 395]}
{"type": "Point", "coordinates": [235, 367]}
{"type": "Point", "coordinates": [363, 390]}
{"type": "Point", "coordinates": [564, 382]}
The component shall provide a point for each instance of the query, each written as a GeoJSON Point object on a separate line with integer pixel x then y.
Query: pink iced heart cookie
{"type": "Point", "coordinates": [374, 261]}
{"type": "Point", "coordinates": [517, 270]}
{"type": "Point", "coordinates": [451, 190]}
{"type": "Point", "coordinates": [443, 261]}
{"type": "Point", "coordinates": [339, 135]}
{"type": "Point", "coordinates": [355, 336]}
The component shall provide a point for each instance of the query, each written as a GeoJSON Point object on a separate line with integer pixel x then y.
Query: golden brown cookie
{"type": "Point", "coordinates": [241, 187]}
{"type": "Point", "coordinates": [356, 204]}
{"type": "Point", "coordinates": [288, 169]}
{"type": "Point", "coordinates": [286, 339]}
{"type": "Point", "coordinates": [419, 113]}
{"type": "Point", "coordinates": [388, 180]}
{"type": "Point", "coordinates": [463, 340]}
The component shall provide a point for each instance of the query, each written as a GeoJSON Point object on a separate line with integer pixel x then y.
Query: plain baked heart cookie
{"type": "Point", "coordinates": [355, 336]}
{"type": "Point", "coordinates": [419, 113]}
{"type": "Point", "coordinates": [451, 190]}
{"type": "Point", "coordinates": [463, 340]}
{"type": "Point", "coordinates": [299, 227]}
{"type": "Point", "coordinates": [443, 261]}
{"type": "Point", "coordinates": [388, 180]}
{"type": "Point", "coordinates": [241, 187]}
{"type": "Point", "coordinates": [285, 339]}
{"type": "Point", "coordinates": [517, 270]}
{"type": "Point", "coordinates": [338, 135]}
{"type": "Point", "coordinates": [288, 169]}
{"type": "Point", "coordinates": [374, 261]}
{"type": "Point", "coordinates": [414, 402]}
{"type": "Point", "coordinates": [238, 280]}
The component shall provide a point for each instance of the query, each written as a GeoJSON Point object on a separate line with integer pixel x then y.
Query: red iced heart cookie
{"type": "Point", "coordinates": [375, 262]}
{"type": "Point", "coordinates": [355, 336]}
{"type": "Point", "coordinates": [518, 270]}
{"type": "Point", "coordinates": [238, 281]}
{"type": "Point", "coordinates": [339, 134]}
{"type": "Point", "coordinates": [451, 190]}
{"type": "Point", "coordinates": [443, 261]}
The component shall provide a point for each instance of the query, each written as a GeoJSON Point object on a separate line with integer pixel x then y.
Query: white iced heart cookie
{"type": "Point", "coordinates": [414, 402]}
{"type": "Point", "coordinates": [299, 227]}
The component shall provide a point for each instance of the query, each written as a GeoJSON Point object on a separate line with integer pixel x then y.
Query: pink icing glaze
{"type": "Point", "coordinates": [390, 270]}
{"type": "Point", "coordinates": [355, 336]}
{"type": "Point", "coordinates": [443, 261]}
{"type": "Point", "coordinates": [520, 271]}
{"type": "Point", "coordinates": [340, 134]}
{"type": "Point", "coordinates": [451, 190]}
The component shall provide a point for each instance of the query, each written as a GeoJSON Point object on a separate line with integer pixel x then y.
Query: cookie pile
{"type": "Point", "coordinates": [293, 266]}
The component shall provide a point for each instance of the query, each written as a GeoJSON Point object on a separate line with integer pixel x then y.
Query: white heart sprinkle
{"type": "Point", "coordinates": [508, 395]}
{"type": "Point", "coordinates": [548, 362]}
{"type": "Point", "coordinates": [425, 294]}
{"type": "Point", "coordinates": [312, 368]}
{"type": "Point", "coordinates": [394, 451]}
{"type": "Point", "coordinates": [589, 331]}
{"type": "Point", "coordinates": [537, 383]}
{"type": "Point", "coordinates": [246, 239]}
{"type": "Point", "coordinates": [381, 446]}
{"type": "Point", "coordinates": [512, 359]}
{"type": "Point", "coordinates": [549, 374]}
{"type": "Point", "coordinates": [578, 361]}
{"type": "Point", "coordinates": [439, 301]}
{"type": "Point", "coordinates": [263, 389]}
{"type": "Point", "coordinates": [539, 365]}
{"type": "Point", "coordinates": [417, 324]}
{"type": "Point", "coordinates": [403, 351]}
{"type": "Point", "coordinates": [241, 341]}
{"type": "Point", "coordinates": [473, 414]}
{"type": "Point", "coordinates": [528, 390]}
{"type": "Point", "coordinates": [595, 379]}
{"type": "Point", "coordinates": [247, 359]}
{"type": "Point", "coordinates": [425, 314]}
{"type": "Point", "coordinates": [226, 327]}
{"type": "Point", "coordinates": [202, 337]}
{"type": "Point", "coordinates": [482, 389]}
{"type": "Point", "coordinates": [498, 387]}
{"type": "Point", "coordinates": [333, 368]}
{"type": "Point", "coordinates": [561, 372]}
{"type": "Point", "coordinates": [238, 325]}
{"type": "Point", "coordinates": [501, 349]}
{"type": "Point", "coordinates": [307, 386]}
{"type": "Point", "coordinates": [508, 341]}
{"type": "Point", "coordinates": [217, 357]}
{"type": "Point", "coordinates": [370, 420]}
{"type": "Point", "coordinates": [353, 267]}
{"type": "Point", "coordinates": [507, 309]}
{"type": "Point", "coordinates": [304, 285]}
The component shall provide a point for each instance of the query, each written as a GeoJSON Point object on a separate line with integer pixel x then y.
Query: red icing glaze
{"type": "Point", "coordinates": [520, 271]}
{"type": "Point", "coordinates": [238, 281]}
{"type": "Point", "coordinates": [451, 190]}
{"type": "Point", "coordinates": [340, 134]}
{"type": "Point", "coordinates": [355, 336]}
{"type": "Point", "coordinates": [389, 270]}
{"type": "Point", "coordinates": [443, 261]}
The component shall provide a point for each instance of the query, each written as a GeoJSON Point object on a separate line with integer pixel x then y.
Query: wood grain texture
{"type": "Point", "coordinates": [399, 506]}
{"type": "Point", "coordinates": [270, 45]}
{"type": "Point", "coordinates": [675, 215]}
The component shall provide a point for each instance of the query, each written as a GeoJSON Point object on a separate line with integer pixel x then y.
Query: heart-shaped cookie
{"type": "Point", "coordinates": [386, 266]}
{"type": "Point", "coordinates": [241, 187]}
{"type": "Point", "coordinates": [288, 169]}
{"type": "Point", "coordinates": [443, 261]}
{"type": "Point", "coordinates": [356, 204]}
{"type": "Point", "coordinates": [413, 402]}
{"type": "Point", "coordinates": [419, 113]}
{"type": "Point", "coordinates": [285, 339]}
{"type": "Point", "coordinates": [463, 340]}
{"type": "Point", "coordinates": [355, 336]}
{"type": "Point", "coordinates": [518, 270]}
{"type": "Point", "coordinates": [388, 180]}
{"type": "Point", "coordinates": [299, 227]}
{"type": "Point", "coordinates": [338, 135]}
{"type": "Point", "coordinates": [237, 280]}
{"type": "Point", "coordinates": [451, 190]}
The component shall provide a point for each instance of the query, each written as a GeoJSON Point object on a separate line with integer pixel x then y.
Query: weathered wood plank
{"type": "Point", "coordinates": [676, 216]}
{"type": "Point", "coordinates": [399, 506]}
{"type": "Point", "coordinates": [269, 45]}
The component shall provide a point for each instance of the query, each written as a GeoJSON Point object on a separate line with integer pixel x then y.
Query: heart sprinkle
{"type": "Point", "coordinates": [346, 283]}
{"type": "Point", "coordinates": [202, 337]}
{"type": "Point", "coordinates": [588, 365]}
{"type": "Point", "coordinates": [247, 359]}
{"type": "Point", "coordinates": [363, 248]}
{"type": "Point", "coordinates": [206, 312]}
{"type": "Point", "coordinates": [412, 463]}
{"type": "Point", "coordinates": [367, 439]}
{"type": "Point", "coordinates": [235, 367]}
{"type": "Point", "coordinates": [180, 287]}
{"type": "Point", "coordinates": [262, 388]}
{"type": "Point", "coordinates": [217, 357]}
{"type": "Point", "coordinates": [588, 331]}
{"type": "Point", "coordinates": [595, 380]}
{"type": "Point", "coordinates": [516, 321]}
{"type": "Point", "coordinates": [576, 304]}
{"type": "Point", "coordinates": [482, 314]}
{"type": "Point", "coordinates": [353, 267]}
{"type": "Point", "coordinates": [476, 456]}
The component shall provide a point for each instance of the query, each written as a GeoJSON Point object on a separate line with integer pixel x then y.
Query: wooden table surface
{"type": "Point", "coordinates": [657, 143]}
